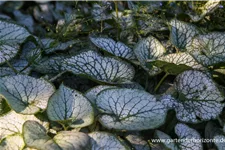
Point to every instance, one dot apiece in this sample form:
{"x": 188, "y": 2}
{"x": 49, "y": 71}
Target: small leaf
{"x": 106, "y": 141}
{"x": 208, "y": 49}
{"x": 197, "y": 98}
{"x": 71, "y": 140}
{"x": 105, "y": 69}
{"x": 182, "y": 33}
{"x": 12, "y": 122}
{"x": 137, "y": 142}
{"x": 70, "y": 107}
{"x": 116, "y": 48}
{"x": 185, "y": 132}
{"x": 14, "y": 142}
{"x": 35, "y": 136}
{"x": 130, "y": 109}
{"x": 177, "y": 63}
{"x": 25, "y": 94}
{"x": 12, "y": 33}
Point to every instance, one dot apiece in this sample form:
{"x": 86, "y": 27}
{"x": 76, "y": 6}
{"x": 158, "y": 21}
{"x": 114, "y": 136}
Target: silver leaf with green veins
{"x": 70, "y": 107}
{"x": 182, "y": 33}
{"x": 197, "y": 99}
{"x": 116, "y": 48}
{"x": 25, "y": 94}
{"x": 8, "y": 51}
{"x": 130, "y": 109}
{"x": 208, "y": 49}
{"x": 14, "y": 142}
{"x": 106, "y": 141}
{"x": 105, "y": 69}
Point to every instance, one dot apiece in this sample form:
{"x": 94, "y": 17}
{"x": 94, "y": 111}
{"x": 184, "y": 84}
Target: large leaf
{"x": 130, "y": 109}
{"x": 7, "y": 51}
{"x": 70, "y": 107}
{"x": 106, "y": 141}
{"x": 26, "y": 94}
{"x": 12, "y": 122}
{"x": 196, "y": 99}
{"x": 115, "y": 48}
{"x": 177, "y": 63}
{"x": 105, "y": 69}
{"x": 208, "y": 49}
{"x": 182, "y": 33}
{"x": 35, "y": 136}
{"x": 12, "y": 33}
{"x": 14, "y": 142}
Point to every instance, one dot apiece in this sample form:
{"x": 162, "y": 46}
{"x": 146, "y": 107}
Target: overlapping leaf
{"x": 106, "y": 141}
{"x": 26, "y": 95}
{"x": 11, "y": 123}
{"x": 130, "y": 109}
{"x": 138, "y": 142}
{"x": 148, "y": 50}
{"x": 105, "y": 69}
{"x": 116, "y": 48}
{"x": 35, "y": 136}
{"x": 14, "y": 142}
{"x": 208, "y": 49}
{"x": 70, "y": 107}
{"x": 197, "y": 97}
{"x": 182, "y": 33}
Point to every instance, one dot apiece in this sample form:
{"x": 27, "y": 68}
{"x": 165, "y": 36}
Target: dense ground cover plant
{"x": 112, "y": 75}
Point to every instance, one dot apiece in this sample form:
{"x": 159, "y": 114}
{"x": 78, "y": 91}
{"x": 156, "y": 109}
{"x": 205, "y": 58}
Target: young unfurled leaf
{"x": 13, "y": 142}
{"x": 25, "y": 94}
{"x": 106, "y": 141}
{"x": 70, "y": 107}
{"x": 148, "y": 50}
{"x": 116, "y": 48}
{"x": 11, "y": 123}
{"x": 188, "y": 139}
{"x": 201, "y": 12}
{"x": 177, "y": 63}
{"x": 99, "y": 13}
{"x": 197, "y": 97}
{"x": 129, "y": 109}
{"x": 182, "y": 33}
{"x": 105, "y": 69}
{"x": 35, "y": 136}
{"x": 208, "y": 49}
{"x": 138, "y": 142}
{"x": 12, "y": 33}
{"x": 125, "y": 19}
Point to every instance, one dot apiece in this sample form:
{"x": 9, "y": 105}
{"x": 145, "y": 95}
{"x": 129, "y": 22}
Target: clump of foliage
{"x": 112, "y": 75}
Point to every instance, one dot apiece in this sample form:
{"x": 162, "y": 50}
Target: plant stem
{"x": 160, "y": 82}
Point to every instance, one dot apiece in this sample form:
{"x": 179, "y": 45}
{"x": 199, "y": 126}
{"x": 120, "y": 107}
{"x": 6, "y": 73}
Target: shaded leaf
{"x": 138, "y": 142}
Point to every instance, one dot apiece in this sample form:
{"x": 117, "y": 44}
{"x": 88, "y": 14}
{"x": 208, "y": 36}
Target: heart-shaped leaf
{"x": 14, "y": 142}
{"x": 105, "y": 69}
{"x": 182, "y": 33}
{"x": 106, "y": 141}
{"x": 35, "y": 136}
{"x": 208, "y": 49}
{"x": 197, "y": 98}
{"x": 25, "y": 94}
{"x": 70, "y": 107}
{"x": 130, "y": 109}
{"x": 116, "y": 48}
{"x": 11, "y": 123}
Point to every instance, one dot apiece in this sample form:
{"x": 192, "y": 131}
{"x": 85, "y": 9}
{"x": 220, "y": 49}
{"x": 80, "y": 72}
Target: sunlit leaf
{"x": 13, "y": 142}
{"x": 70, "y": 107}
{"x": 105, "y": 69}
{"x": 182, "y": 33}
{"x": 106, "y": 141}
{"x": 125, "y": 19}
{"x": 25, "y": 94}
{"x": 7, "y": 51}
{"x": 196, "y": 99}
{"x": 116, "y": 48}
{"x": 208, "y": 49}
{"x": 129, "y": 109}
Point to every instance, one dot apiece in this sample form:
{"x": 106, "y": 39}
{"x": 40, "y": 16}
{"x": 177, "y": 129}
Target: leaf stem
{"x": 160, "y": 82}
